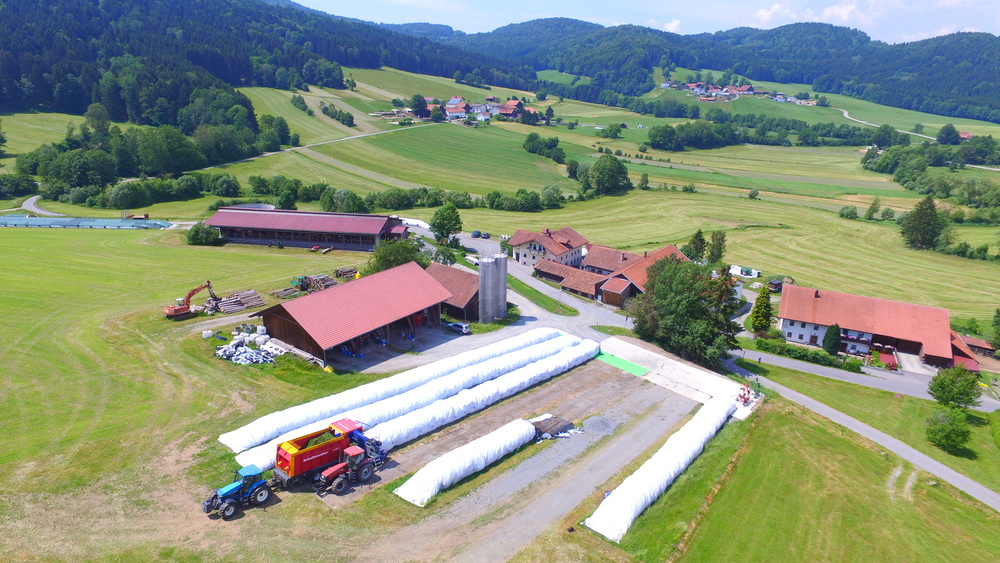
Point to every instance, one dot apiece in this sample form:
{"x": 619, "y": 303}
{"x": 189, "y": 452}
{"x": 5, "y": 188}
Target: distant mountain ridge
{"x": 952, "y": 75}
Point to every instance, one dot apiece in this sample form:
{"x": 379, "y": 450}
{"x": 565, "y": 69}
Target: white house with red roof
{"x": 564, "y": 246}
{"x": 868, "y": 323}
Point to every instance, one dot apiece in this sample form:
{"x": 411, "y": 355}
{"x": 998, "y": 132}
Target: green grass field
{"x": 806, "y": 489}
{"x": 901, "y": 417}
{"x": 801, "y": 488}
{"x": 452, "y": 157}
{"x": 387, "y": 83}
{"x": 277, "y": 103}
{"x": 561, "y": 77}
{"x": 88, "y": 378}
{"x": 26, "y": 132}
{"x": 777, "y": 238}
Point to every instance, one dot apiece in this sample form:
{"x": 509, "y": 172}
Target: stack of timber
{"x": 320, "y": 282}
{"x": 249, "y": 298}
{"x": 345, "y": 272}
{"x": 231, "y": 304}
{"x": 285, "y": 293}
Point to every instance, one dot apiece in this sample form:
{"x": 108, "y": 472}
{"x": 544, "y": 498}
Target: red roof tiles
{"x": 572, "y": 278}
{"x": 462, "y": 285}
{"x": 962, "y": 354}
{"x": 605, "y": 258}
{"x": 636, "y": 273}
{"x": 306, "y": 221}
{"x": 895, "y": 319}
{"x": 342, "y": 312}
{"x": 977, "y": 342}
{"x": 556, "y": 242}
{"x": 616, "y": 285}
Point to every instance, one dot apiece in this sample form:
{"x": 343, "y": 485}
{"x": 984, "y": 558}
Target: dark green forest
{"x": 953, "y": 75}
{"x": 143, "y": 59}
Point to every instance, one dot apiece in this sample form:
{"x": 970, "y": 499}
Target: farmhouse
{"x": 343, "y": 231}
{"x": 631, "y": 279}
{"x": 351, "y": 315}
{"x": 564, "y": 246}
{"x": 464, "y": 288}
{"x": 605, "y": 260}
{"x": 868, "y": 323}
{"x": 574, "y": 280}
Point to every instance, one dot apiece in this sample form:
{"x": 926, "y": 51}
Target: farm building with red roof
{"x": 349, "y": 315}
{"x": 631, "y": 279}
{"x": 868, "y": 323}
{"x": 605, "y": 260}
{"x": 574, "y": 280}
{"x": 464, "y": 289}
{"x": 564, "y": 246}
{"x": 343, "y": 231}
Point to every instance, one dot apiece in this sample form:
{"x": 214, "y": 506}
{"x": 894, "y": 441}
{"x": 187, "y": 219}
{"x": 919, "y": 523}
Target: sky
{"x": 892, "y": 21}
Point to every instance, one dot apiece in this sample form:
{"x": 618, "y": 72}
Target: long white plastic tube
{"x": 427, "y": 419}
{"x": 272, "y": 425}
{"x": 370, "y": 415}
{"x": 463, "y": 461}
{"x": 617, "y": 512}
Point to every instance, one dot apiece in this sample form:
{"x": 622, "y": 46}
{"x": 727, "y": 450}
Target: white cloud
{"x": 765, "y": 16}
{"x": 673, "y": 26}
{"x": 844, "y": 12}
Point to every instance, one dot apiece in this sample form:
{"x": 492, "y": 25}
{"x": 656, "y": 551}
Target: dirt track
{"x": 544, "y": 487}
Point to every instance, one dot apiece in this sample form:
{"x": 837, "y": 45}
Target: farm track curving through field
{"x": 920, "y": 460}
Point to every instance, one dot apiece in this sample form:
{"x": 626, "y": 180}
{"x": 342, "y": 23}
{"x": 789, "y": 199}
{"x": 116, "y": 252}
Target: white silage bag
{"x": 277, "y": 423}
{"x": 463, "y": 461}
{"x": 616, "y": 513}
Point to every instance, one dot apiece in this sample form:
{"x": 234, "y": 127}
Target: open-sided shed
{"x": 346, "y": 314}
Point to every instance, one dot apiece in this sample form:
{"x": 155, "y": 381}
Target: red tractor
{"x": 341, "y": 451}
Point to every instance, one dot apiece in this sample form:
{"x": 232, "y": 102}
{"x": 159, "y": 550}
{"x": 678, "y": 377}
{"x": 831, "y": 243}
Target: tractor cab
{"x": 354, "y": 456}
{"x": 248, "y": 489}
{"x": 243, "y": 481}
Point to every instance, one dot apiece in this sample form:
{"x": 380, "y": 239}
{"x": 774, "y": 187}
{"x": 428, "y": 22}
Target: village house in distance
{"x": 564, "y": 246}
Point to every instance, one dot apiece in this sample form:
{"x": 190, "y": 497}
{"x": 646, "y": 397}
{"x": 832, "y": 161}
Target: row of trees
{"x": 548, "y": 147}
{"x": 100, "y": 153}
{"x": 751, "y": 128}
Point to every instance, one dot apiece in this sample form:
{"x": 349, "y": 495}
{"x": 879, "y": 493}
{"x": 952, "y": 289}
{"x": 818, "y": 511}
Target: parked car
{"x": 485, "y": 235}
{"x": 461, "y": 328}
{"x": 474, "y": 260}
{"x": 475, "y": 234}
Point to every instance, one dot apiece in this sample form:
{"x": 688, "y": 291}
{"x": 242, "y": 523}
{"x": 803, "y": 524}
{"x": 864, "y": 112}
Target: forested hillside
{"x": 953, "y": 75}
{"x": 142, "y": 59}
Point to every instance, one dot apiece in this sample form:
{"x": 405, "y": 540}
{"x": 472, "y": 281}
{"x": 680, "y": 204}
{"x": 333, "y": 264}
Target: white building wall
{"x": 802, "y": 333}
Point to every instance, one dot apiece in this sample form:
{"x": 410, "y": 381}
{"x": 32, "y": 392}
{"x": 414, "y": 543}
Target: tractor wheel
{"x": 228, "y": 510}
{"x": 365, "y": 472}
{"x": 339, "y": 485}
{"x": 261, "y": 496}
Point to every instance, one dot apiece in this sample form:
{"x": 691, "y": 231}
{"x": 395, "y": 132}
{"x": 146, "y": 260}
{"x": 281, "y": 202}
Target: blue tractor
{"x": 248, "y": 489}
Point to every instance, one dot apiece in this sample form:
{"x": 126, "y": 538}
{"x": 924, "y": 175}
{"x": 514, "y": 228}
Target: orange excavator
{"x": 182, "y": 310}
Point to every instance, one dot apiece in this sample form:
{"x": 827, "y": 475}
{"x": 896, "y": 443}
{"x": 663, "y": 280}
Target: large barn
{"x": 868, "y": 323}
{"x": 368, "y": 309}
{"x": 343, "y": 231}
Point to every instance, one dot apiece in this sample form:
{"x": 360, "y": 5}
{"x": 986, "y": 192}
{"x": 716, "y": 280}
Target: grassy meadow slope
{"x": 902, "y": 119}
{"x": 787, "y": 486}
